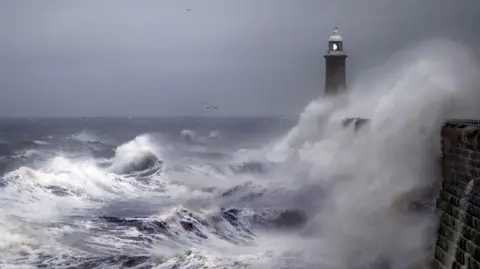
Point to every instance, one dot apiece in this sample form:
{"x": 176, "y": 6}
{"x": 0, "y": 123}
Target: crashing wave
{"x": 141, "y": 162}
{"x": 138, "y": 155}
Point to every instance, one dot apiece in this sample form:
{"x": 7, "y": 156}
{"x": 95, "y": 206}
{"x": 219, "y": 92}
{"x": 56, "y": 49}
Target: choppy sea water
{"x": 99, "y": 192}
{"x": 238, "y": 192}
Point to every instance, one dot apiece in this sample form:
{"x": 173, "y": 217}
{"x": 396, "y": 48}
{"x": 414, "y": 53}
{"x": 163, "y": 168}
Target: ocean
{"x": 157, "y": 193}
{"x": 286, "y": 193}
{"x": 136, "y": 192}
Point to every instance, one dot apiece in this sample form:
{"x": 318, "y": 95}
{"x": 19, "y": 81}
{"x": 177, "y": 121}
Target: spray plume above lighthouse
{"x": 335, "y": 58}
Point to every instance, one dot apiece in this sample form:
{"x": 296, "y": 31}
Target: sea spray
{"x": 372, "y": 176}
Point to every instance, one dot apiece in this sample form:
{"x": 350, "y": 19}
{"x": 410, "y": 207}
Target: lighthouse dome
{"x": 335, "y": 36}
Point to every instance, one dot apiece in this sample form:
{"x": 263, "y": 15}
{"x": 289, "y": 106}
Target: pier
{"x": 458, "y": 203}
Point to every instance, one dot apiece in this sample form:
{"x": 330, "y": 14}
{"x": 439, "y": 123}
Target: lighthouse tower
{"x": 335, "y": 76}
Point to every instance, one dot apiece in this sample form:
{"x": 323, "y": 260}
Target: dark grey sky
{"x": 249, "y": 57}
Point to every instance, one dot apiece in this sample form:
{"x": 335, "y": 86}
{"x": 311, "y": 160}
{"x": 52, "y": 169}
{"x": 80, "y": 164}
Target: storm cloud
{"x": 163, "y": 58}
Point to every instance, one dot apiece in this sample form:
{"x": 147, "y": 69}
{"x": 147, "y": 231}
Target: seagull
{"x": 209, "y": 106}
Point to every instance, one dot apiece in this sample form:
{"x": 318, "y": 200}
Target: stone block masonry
{"x": 458, "y": 202}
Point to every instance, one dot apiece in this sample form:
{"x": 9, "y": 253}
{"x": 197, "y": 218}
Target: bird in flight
{"x": 189, "y": 9}
{"x": 206, "y": 105}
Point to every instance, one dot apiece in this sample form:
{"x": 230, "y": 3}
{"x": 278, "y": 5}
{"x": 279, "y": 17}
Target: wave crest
{"x": 140, "y": 154}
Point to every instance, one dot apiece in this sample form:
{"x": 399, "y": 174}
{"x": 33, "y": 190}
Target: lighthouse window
{"x": 335, "y": 46}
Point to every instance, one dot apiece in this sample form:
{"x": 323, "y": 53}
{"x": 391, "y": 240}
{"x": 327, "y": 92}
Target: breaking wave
{"x": 323, "y": 195}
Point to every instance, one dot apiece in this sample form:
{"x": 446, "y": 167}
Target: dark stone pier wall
{"x": 458, "y": 202}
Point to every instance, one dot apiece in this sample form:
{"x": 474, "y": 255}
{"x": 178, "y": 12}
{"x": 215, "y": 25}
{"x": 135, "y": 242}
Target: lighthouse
{"x": 335, "y": 58}
{"x": 336, "y": 77}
